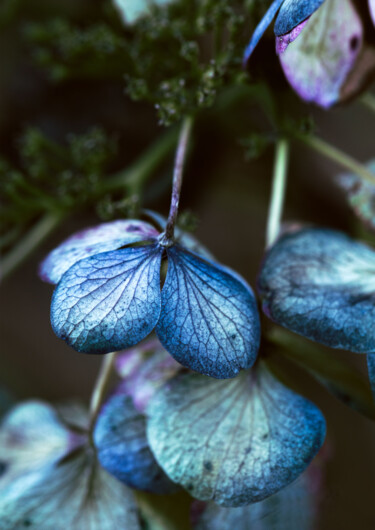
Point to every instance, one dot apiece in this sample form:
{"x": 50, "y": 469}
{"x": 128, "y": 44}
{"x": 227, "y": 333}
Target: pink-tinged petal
{"x": 283, "y": 41}
{"x": 318, "y": 63}
{"x": 91, "y": 241}
{"x": 372, "y": 9}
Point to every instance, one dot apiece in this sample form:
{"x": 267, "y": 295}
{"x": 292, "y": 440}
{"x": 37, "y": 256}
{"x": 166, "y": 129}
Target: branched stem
{"x": 183, "y": 143}
{"x": 280, "y": 172}
{"x": 341, "y": 158}
{"x": 42, "y": 229}
{"x": 100, "y": 387}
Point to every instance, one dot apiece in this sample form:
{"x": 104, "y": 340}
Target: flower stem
{"x": 338, "y": 156}
{"x": 43, "y": 228}
{"x": 178, "y": 175}
{"x": 368, "y": 100}
{"x": 280, "y": 171}
{"x": 100, "y": 387}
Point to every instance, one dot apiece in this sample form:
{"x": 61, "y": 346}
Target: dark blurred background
{"x": 228, "y": 195}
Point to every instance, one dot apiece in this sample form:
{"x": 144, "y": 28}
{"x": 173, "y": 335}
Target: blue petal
{"x": 293, "y": 12}
{"x": 261, "y": 28}
{"x": 122, "y": 447}
{"x": 91, "y": 241}
{"x": 371, "y": 371}
{"x": 235, "y": 441}
{"x": 321, "y": 284}
{"x": 110, "y": 301}
{"x": 209, "y": 320}
{"x": 292, "y": 508}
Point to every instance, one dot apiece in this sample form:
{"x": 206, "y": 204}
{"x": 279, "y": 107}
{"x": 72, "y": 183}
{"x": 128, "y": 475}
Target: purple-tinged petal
{"x": 233, "y": 441}
{"x": 75, "y": 494}
{"x": 321, "y": 284}
{"x": 283, "y": 41}
{"x": 318, "y": 63}
{"x": 292, "y": 13}
{"x": 122, "y": 447}
{"x": 209, "y": 320}
{"x": 110, "y": 301}
{"x": 261, "y": 28}
{"x": 91, "y": 241}
{"x": 360, "y": 195}
{"x": 144, "y": 370}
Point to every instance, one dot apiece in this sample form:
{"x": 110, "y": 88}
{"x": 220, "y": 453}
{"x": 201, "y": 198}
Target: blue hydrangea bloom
{"x": 320, "y": 283}
{"x": 233, "y": 442}
{"x": 109, "y": 298}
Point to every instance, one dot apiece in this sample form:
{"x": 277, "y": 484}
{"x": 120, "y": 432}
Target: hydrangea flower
{"x": 108, "y": 297}
{"x": 51, "y": 478}
{"x": 234, "y": 442}
{"x": 321, "y": 46}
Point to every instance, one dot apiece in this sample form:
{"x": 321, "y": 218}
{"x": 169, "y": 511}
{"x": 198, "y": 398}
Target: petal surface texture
{"x": 372, "y": 9}
{"x": 209, "y": 320}
{"x": 292, "y": 508}
{"x": 110, "y": 301}
{"x": 321, "y": 284}
{"x": 317, "y": 63}
{"x": 261, "y": 28}
{"x": 233, "y": 442}
{"x": 76, "y": 494}
{"x": 101, "y": 238}
{"x": 122, "y": 447}
{"x": 293, "y": 12}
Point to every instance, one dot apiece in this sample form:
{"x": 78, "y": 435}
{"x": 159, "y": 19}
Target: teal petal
{"x": 234, "y": 441}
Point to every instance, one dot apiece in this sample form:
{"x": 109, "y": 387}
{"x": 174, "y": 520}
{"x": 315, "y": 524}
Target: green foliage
{"x": 177, "y": 59}
{"x": 52, "y": 177}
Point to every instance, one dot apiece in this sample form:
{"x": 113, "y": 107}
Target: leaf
{"x": 209, "y": 320}
{"x": 292, "y": 508}
{"x": 341, "y": 379}
{"x": 293, "y": 12}
{"x": 109, "y": 301}
{"x": 233, "y": 442}
{"x": 144, "y": 369}
{"x": 132, "y": 10}
{"x": 76, "y": 494}
{"x": 319, "y": 61}
{"x": 261, "y": 28}
{"x": 32, "y": 435}
{"x": 122, "y": 447}
{"x": 320, "y": 283}
{"x": 91, "y": 241}
{"x": 360, "y": 195}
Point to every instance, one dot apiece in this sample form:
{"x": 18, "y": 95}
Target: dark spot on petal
{"x": 248, "y": 450}
{"x": 208, "y": 465}
{"x": 133, "y": 228}
{"x": 190, "y": 487}
{"x": 354, "y": 43}
{"x": 3, "y": 467}
{"x": 27, "y": 522}
{"x": 233, "y": 336}
{"x": 265, "y": 436}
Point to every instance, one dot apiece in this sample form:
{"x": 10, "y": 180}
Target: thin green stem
{"x": 134, "y": 178}
{"x": 100, "y": 387}
{"x": 280, "y": 172}
{"x": 40, "y": 231}
{"x": 368, "y": 100}
{"x": 182, "y": 147}
{"x": 338, "y": 156}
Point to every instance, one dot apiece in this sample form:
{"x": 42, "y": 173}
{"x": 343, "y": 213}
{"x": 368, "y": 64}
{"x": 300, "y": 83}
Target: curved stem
{"x": 178, "y": 176}
{"x": 278, "y": 191}
{"x": 43, "y": 228}
{"x": 341, "y": 158}
{"x": 100, "y": 387}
